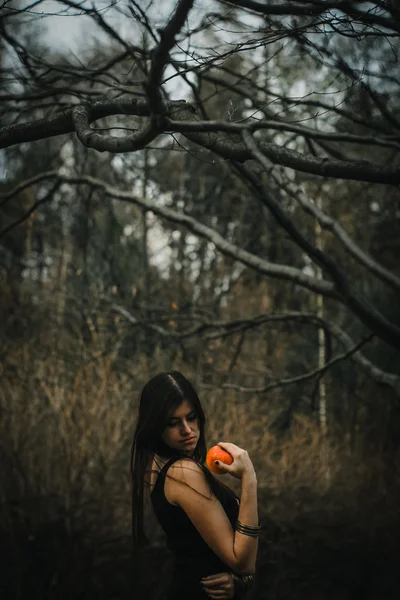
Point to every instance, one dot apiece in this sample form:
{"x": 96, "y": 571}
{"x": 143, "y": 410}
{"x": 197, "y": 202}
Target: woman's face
{"x": 182, "y": 431}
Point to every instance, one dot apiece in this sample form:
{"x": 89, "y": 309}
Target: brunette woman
{"x": 212, "y": 534}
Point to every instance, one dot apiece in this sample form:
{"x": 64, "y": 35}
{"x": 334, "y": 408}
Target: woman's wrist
{"x": 249, "y": 478}
{"x": 242, "y": 583}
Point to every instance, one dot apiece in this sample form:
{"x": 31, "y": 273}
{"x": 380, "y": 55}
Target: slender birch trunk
{"x": 145, "y": 246}
{"x": 321, "y": 334}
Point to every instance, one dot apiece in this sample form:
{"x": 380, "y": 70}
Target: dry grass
{"x": 67, "y": 420}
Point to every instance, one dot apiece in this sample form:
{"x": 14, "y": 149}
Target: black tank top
{"x": 194, "y": 559}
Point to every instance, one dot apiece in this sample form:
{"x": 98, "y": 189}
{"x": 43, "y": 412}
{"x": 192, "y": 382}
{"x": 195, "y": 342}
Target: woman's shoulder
{"x": 186, "y": 467}
{"x": 189, "y": 472}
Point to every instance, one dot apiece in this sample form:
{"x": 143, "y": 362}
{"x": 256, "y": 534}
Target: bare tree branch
{"x": 354, "y": 300}
{"x": 248, "y": 259}
{"x": 182, "y": 119}
{"x": 213, "y": 330}
{"x": 4, "y": 197}
{"x": 46, "y": 198}
{"x": 101, "y": 142}
{"x": 332, "y": 225}
{"x": 292, "y": 380}
{"x": 317, "y": 8}
{"x": 161, "y": 55}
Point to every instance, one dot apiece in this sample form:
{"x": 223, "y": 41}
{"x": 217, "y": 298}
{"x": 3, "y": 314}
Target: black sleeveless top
{"x": 194, "y": 559}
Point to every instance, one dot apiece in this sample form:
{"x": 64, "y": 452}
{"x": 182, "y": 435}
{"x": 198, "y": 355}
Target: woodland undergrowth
{"x": 328, "y": 504}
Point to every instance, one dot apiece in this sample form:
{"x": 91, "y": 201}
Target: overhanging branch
{"x": 213, "y": 330}
{"x": 355, "y": 301}
{"x": 183, "y": 119}
{"x": 292, "y": 380}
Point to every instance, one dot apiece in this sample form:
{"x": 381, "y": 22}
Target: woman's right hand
{"x": 241, "y": 466}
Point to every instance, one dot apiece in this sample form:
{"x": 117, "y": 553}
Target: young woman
{"x": 213, "y": 535}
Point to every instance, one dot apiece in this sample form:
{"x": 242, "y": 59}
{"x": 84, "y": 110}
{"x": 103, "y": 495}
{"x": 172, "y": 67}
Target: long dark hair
{"x": 160, "y": 397}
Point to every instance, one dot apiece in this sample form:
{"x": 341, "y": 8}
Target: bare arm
{"x": 246, "y": 547}
{"x": 236, "y": 550}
